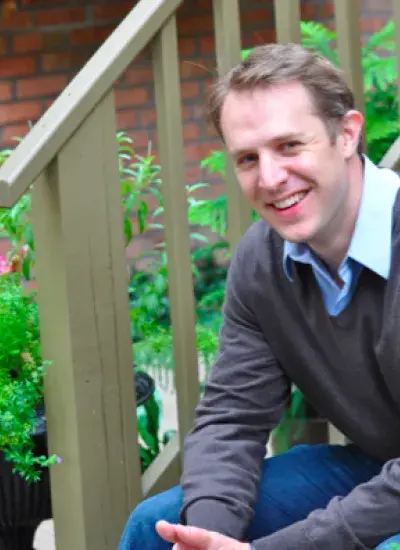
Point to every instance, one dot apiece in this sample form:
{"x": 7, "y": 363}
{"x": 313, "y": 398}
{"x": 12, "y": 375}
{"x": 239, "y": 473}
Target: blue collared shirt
{"x": 370, "y": 246}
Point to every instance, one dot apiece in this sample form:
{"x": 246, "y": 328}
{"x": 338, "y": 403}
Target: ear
{"x": 352, "y": 125}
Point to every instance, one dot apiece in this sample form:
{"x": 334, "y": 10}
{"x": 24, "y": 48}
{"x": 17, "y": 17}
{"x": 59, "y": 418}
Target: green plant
{"x": 379, "y": 68}
{"x": 149, "y": 417}
{"x": 21, "y": 375}
{"x": 19, "y": 398}
{"x": 155, "y": 352}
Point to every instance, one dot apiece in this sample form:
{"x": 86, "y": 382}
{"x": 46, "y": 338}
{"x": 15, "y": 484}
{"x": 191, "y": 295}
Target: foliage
{"x": 20, "y": 397}
{"x": 155, "y": 351}
{"x": 379, "y": 68}
{"x": 21, "y": 376}
{"x": 149, "y": 416}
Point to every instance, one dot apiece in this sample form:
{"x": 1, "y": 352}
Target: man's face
{"x": 286, "y": 164}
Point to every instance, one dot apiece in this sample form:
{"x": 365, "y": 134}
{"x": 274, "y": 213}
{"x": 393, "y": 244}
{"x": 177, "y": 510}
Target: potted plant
{"x": 24, "y": 478}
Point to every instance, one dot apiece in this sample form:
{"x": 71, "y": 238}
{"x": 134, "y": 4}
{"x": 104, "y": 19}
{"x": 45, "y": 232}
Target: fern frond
{"x": 209, "y": 213}
{"x": 382, "y": 39}
{"x": 378, "y": 71}
{"x": 381, "y": 128}
{"x": 317, "y": 37}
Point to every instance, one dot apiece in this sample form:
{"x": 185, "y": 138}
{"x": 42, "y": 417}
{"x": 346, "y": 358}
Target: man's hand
{"x": 192, "y": 538}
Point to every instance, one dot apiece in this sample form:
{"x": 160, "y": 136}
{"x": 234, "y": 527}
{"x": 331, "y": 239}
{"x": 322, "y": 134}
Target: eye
{"x": 290, "y": 146}
{"x": 245, "y": 160}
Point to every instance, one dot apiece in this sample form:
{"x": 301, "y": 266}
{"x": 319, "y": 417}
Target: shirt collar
{"x": 372, "y": 238}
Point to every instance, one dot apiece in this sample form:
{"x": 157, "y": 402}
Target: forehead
{"x": 267, "y": 114}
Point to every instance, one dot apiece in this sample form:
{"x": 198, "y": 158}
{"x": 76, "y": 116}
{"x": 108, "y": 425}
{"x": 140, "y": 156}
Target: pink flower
{"x": 4, "y": 266}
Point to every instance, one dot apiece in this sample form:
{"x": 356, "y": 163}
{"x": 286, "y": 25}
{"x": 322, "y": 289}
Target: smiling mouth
{"x": 290, "y": 201}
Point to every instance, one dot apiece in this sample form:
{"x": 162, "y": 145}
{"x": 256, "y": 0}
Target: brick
{"x": 196, "y": 25}
{"x": 59, "y": 16}
{"x": 197, "y": 151}
{"x": 187, "y": 46}
{"x": 111, "y": 12}
{"x": 41, "y": 86}
{"x": 193, "y": 112}
{"x": 16, "y": 20}
{"x": 90, "y": 35}
{"x": 308, "y": 11}
{"x": 258, "y": 38}
{"x": 141, "y": 139}
{"x": 56, "y": 40}
{"x": 327, "y": 10}
{"x": 12, "y": 131}
{"x": 372, "y": 24}
{"x": 23, "y": 111}
{"x": 23, "y": 43}
{"x": 3, "y": 45}
{"x": 194, "y": 173}
{"x": 191, "y": 131}
{"x": 16, "y": 66}
{"x": 207, "y": 44}
{"x": 5, "y": 91}
{"x": 138, "y": 75}
{"x": 148, "y": 117}
{"x": 202, "y": 6}
{"x": 131, "y": 98}
{"x": 258, "y": 17}
{"x": 126, "y": 119}
{"x": 42, "y": 3}
{"x": 196, "y": 67}
{"x": 63, "y": 61}
{"x": 190, "y": 89}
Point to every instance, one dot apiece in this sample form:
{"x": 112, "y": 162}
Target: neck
{"x": 333, "y": 246}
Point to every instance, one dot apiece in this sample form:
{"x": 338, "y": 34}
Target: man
{"x": 312, "y": 298}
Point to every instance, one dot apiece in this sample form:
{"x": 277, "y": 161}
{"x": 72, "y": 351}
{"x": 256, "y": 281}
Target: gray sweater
{"x": 347, "y": 367}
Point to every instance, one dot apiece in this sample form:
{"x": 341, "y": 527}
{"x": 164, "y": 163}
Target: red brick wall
{"x": 43, "y": 43}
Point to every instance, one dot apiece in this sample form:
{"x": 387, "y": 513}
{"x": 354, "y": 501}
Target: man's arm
{"x": 243, "y": 401}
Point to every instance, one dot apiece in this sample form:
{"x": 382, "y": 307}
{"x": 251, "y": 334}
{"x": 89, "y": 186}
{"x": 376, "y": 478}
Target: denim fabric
{"x": 293, "y": 484}
{"x": 391, "y": 544}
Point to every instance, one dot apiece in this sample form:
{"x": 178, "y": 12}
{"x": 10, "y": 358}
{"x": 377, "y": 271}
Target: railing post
{"x": 180, "y": 281}
{"x": 83, "y": 303}
{"x": 391, "y": 158}
{"x": 347, "y": 16}
{"x": 228, "y": 46}
{"x": 287, "y": 21}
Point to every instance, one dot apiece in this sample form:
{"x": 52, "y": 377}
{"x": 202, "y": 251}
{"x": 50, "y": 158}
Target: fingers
{"x": 167, "y": 531}
{"x": 192, "y": 537}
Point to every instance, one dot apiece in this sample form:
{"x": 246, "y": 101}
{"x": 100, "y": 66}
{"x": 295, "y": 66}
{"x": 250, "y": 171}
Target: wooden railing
{"x": 70, "y": 158}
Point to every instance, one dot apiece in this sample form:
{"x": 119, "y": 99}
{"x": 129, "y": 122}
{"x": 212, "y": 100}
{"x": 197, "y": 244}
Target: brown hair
{"x": 278, "y": 63}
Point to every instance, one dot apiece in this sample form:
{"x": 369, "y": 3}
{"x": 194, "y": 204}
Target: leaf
{"x": 142, "y": 213}
{"x": 317, "y": 37}
{"x": 199, "y": 237}
{"x": 128, "y": 231}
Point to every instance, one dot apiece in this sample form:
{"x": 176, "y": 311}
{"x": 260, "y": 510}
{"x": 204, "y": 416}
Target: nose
{"x": 272, "y": 172}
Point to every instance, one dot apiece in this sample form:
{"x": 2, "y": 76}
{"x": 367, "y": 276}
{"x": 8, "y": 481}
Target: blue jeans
{"x": 292, "y": 485}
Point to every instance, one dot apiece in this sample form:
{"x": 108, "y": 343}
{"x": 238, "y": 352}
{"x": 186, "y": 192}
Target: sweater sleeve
{"x": 243, "y": 400}
{"x": 363, "y": 519}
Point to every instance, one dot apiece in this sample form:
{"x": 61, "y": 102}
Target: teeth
{"x": 290, "y": 201}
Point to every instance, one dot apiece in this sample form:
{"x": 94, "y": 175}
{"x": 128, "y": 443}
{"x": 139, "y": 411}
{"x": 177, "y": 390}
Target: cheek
{"x": 248, "y": 185}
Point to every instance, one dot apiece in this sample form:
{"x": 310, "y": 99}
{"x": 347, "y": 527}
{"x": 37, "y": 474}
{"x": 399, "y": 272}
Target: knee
{"x": 140, "y": 528}
{"x": 392, "y": 543}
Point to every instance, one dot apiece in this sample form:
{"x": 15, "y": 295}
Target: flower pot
{"x": 23, "y": 505}
{"x": 144, "y": 386}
